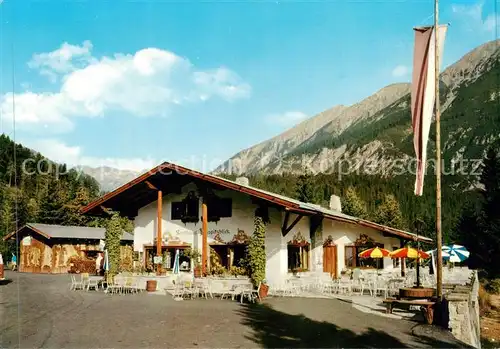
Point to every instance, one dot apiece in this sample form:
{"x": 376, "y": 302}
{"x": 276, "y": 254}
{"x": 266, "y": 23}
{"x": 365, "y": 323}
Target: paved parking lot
{"x": 40, "y": 311}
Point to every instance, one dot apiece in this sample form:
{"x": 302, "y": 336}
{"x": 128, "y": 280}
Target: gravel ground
{"x": 40, "y": 311}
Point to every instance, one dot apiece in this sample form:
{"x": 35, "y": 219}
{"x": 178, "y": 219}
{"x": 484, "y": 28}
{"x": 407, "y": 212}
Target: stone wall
{"x": 463, "y": 311}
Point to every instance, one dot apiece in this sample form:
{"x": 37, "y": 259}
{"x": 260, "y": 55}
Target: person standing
{"x": 1, "y": 267}
{"x": 13, "y": 262}
{"x": 98, "y": 263}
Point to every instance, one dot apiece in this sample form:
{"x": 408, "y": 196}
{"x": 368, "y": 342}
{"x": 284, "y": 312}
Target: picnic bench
{"x": 427, "y": 306}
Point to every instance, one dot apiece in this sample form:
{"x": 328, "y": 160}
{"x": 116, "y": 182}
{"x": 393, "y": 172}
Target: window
{"x": 353, "y": 261}
{"x": 187, "y": 210}
{"x": 92, "y": 254}
{"x": 192, "y": 206}
{"x": 225, "y": 207}
{"x": 168, "y": 255}
{"x": 178, "y": 209}
{"x": 298, "y": 257}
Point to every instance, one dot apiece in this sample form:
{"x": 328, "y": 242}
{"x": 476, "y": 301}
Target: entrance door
{"x": 330, "y": 260}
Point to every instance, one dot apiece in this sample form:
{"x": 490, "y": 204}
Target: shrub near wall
{"x": 257, "y": 251}
{"x": 113, "y": 236}
{"x": 78, "y": 265}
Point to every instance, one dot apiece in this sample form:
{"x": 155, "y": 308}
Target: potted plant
{"x": 263, "y": 290}
{"x": 195, "y": 256}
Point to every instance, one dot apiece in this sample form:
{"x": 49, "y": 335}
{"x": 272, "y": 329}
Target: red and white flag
{"x": 423, "y": 94}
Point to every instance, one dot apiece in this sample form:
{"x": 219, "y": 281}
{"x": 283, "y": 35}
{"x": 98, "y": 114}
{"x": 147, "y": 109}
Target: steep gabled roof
{"x": 166, "y": 176}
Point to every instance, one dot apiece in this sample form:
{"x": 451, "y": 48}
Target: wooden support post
{"x": 402, "y": 260}
{"x": 439, "y": 238}
{"x": 204, "y": 244}
{"x": 158, "y": 229}
{"x": 285, "y": 230}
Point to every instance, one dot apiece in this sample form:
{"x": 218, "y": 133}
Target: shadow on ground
{"x": 276, "y": 329}
{"x": 5, "y": 282}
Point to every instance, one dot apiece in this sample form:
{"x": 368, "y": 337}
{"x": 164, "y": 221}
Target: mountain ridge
{"x": 388, "y": 108}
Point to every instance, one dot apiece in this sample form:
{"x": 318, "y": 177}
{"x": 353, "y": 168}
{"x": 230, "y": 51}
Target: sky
{"x": 129, "y": 84}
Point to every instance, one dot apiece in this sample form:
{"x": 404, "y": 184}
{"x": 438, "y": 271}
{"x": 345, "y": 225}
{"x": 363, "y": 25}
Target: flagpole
{"x": 439, "y": 271}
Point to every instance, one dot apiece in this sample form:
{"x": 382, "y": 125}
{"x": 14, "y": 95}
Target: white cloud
{"x": 65, "y": 59}
{"x": 289, "y": 118}
{"x": 146, "y": 83}
{"x": 58, "y": 151}
{"x": 400, "y": 70}
{"x": 472, "y": 17}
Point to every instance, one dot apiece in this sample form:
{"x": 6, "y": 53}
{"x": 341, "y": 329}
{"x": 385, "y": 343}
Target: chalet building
{"x": 47, "y": 248}
{"x": 173, "y": 207}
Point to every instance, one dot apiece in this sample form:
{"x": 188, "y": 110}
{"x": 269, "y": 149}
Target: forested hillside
{"x": 36, "y": 189}
{"x": 372, "y": 191}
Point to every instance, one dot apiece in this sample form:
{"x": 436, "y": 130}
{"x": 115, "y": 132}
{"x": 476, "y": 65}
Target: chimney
{"x": 243, "y": 181}
{"x": 335, "y": 204}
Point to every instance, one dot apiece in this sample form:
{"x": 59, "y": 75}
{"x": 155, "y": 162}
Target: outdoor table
{"x": 99, "y": 279}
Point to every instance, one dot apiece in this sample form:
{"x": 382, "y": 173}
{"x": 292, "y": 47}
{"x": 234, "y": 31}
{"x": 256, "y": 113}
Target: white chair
{"x": 344, "y": 286}
{"x": 357, "y": 282}
{"x": 252, "y": 294}
{"x": 92, "y": 283}
{"x": 76, "y": 285}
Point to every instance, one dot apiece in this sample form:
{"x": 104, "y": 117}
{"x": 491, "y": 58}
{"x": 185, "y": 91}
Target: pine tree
{"x": 305, "y": 189}
{"x": 71, "y": 210}
{"x": 490, "y": 175}
{"x": 353, "y": 205}
{"x": 388, "y": 213}
{"x": 479, "y": 227}
{"x": 52, "y": 208}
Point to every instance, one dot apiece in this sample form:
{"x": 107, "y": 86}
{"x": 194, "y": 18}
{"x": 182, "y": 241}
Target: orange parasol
{"x": 408, "y": 252}
{"x": 374, "y": 252}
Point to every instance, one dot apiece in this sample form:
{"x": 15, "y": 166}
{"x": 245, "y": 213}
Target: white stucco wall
{"x": 243, "y": 219}
{"x": 344, "y": 234}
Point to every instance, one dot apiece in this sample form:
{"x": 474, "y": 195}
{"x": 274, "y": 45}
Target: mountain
{"x": 332, "y": 121}
{"x": 109, "y": 178}
{"x": 373, "y": 133}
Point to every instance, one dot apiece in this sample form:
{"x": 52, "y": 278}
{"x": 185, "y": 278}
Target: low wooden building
{"x": 46, "y": 248}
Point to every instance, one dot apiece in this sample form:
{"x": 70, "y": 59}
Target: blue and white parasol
{"x": 176, "y": 262}
{"x": 457, "y": 253}
{"x": 434, "y": 253}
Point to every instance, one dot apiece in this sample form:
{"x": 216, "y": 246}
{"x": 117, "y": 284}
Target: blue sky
{"x": 130, "y": 84}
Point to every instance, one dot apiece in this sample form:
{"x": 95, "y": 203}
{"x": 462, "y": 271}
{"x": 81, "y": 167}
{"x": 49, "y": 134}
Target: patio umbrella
{"x": 408, "y": 252}
{"x": 433, "y": 254}
{"x": 176, "y": 262}
{"x": 374, "y": 252}
{"x": 106, "y": 261}
{"x": 456, "y": 253}
{"x": 444, "y": 254}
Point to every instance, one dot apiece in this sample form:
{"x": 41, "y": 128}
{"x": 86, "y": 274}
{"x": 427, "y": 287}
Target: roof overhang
{"x": 169, "y": 178}
{"x": 20, "y": 232}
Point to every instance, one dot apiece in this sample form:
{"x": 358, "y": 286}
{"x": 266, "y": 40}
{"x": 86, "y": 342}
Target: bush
{"x": 256, "y": 252}
{"x": 484, "y": 300}
{"x": 78, "y": 265}
{"x": 236, "y": 271}
{"x": 216, "y": 268}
